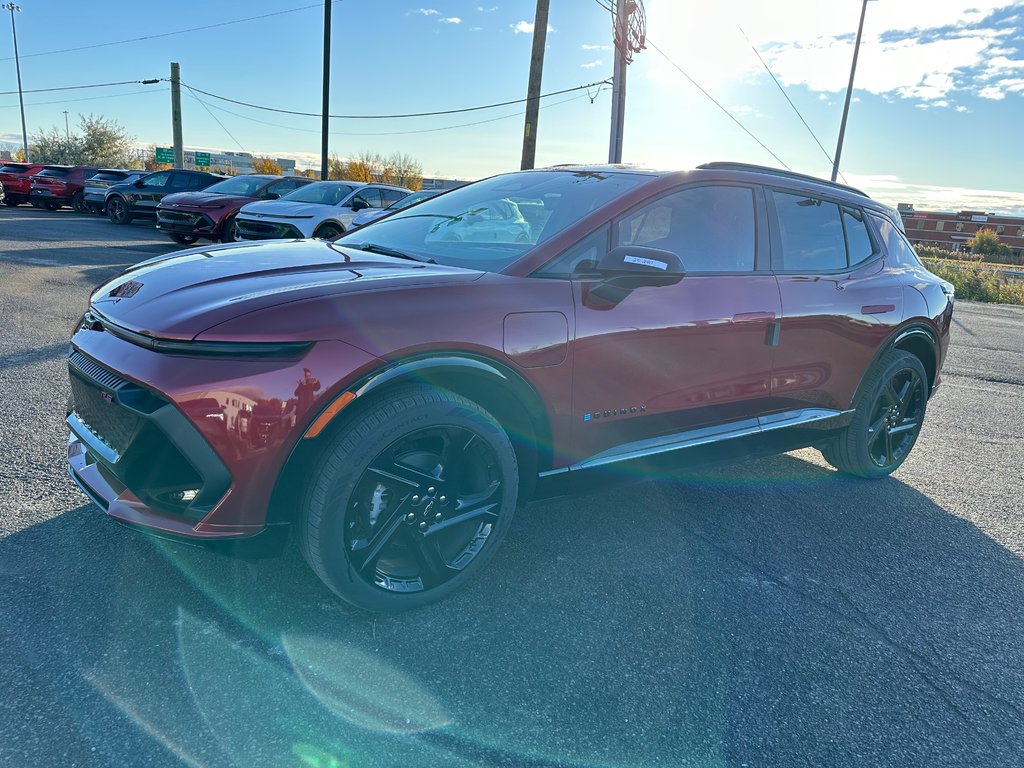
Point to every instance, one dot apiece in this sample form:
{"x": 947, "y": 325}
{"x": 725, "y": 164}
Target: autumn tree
{"x": 402, "y": 170}
{"x": 986, "y": 244}
{"x": 397, "y": 168}
{"x": 101, "y": 143}
{"x": 265, "y": 164}
{"x": 335, "y": 167}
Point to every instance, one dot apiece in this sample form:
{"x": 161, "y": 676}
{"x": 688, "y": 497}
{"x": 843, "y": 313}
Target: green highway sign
{"x": 203, "y": 159}
{"x": 165, "y": 155}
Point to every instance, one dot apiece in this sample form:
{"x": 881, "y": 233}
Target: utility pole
{"x": 849, "y": 92}
{"x": 325, "y": 122}
{"x": 540, "y": 36}
{"x": 618, "y": 84}
{"x": 17, "y": 65}
{"x": 67, "y": 130}
{"x": 179, "y": 144}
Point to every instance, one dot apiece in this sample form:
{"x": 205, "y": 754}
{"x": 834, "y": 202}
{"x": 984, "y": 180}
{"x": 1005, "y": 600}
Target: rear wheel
{"x": 409, "y": 500}
{"x": 117, "y": 210}
{"x": 79, "y": 204}
{"x": 889, "y": 415}
{"x": 184, "y": 239}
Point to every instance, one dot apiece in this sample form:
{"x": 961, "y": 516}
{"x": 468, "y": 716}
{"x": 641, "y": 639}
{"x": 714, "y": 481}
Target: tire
{"x": 378, "y": 522}
{"x": 229, "y": 232}
{"x": 889, "y": 413}
{"x": 327, "y": 231}
{"x": 184, "y": 239}
{"x": 11, "y": 202}
{"x": 117, "y": 210}
{"x": 78, "y": 203}
{"x": 37, "y": 203}
{"x": 53, "y": 205}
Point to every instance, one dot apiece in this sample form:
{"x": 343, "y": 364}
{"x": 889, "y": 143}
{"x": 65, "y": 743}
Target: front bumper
{"x": 186, "y": 447}
{"x": 187, "y": 223}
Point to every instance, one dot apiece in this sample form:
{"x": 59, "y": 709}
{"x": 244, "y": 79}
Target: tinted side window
{"x": 391, "y": 196}
{"x": 858, "y": 242}
{"x": 156, "y": 180}
{"x": 579, "y": 259}
{"x": 899, "y": 250}
{"x": 811, "y": 233}
{"x": 712, "y": 229}
{"x": 371, "y": 196}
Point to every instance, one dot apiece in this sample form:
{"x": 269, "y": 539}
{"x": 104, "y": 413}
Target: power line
{"x": 783, "y": 91}
{"x": 167, "y": 34}
{"x": 728, "y": 114}
{"x": 394, "y": 133}
{"x": 150, "y": 81}
{"x": 390, "y": 117}
{"x": 89, "y": 98}
{"x": 217, "y": 120}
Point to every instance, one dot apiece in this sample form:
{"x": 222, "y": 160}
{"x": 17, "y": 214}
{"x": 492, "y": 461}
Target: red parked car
{"x": 57, "y": 185}
{"x": 391, "y": 396}
{"x": 210, "y": 213}
{"x": 16, "y": 180}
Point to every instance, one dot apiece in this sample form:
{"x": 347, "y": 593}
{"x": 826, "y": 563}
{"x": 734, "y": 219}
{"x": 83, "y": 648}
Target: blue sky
{"x": 936, "y": 120}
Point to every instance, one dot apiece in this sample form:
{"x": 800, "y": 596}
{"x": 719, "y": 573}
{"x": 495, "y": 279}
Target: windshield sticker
{"x": 646, "y": 262}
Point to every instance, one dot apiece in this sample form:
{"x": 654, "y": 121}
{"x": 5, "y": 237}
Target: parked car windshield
{"x": 239, "y": 185}
{"x": 490, "y": 224}
{"x": 322, "y": 192}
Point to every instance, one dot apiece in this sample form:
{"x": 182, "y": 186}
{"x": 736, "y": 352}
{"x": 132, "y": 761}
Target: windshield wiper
{"x": 385, "y": 251}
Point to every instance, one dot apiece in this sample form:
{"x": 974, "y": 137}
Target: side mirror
{"x": 271, "y": 196}
{"x": 137, "y": 183}
{"x": 628, "y": 267}
{"x": 359, "y": 204}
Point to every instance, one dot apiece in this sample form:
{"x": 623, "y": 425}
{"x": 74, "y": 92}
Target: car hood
{"x": 197, "y": 199}
{"x": 180, "y": 295}
{"x": 286, "y": 208}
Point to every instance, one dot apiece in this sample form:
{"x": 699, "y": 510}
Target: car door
{"x": 839, "y": 302}
{"x": 676, "y": 358}
{"x": 151, "y": 189}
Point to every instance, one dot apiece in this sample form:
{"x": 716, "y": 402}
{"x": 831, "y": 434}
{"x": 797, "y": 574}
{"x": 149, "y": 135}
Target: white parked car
{"x": 323, "y": 209}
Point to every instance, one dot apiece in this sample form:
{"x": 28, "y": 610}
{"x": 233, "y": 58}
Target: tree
{"x": 368, "y": 167}
{"x": 403, "y": 170}
{"x": 986, "y": 244}
{"x": 102, "y": 143}
{"x": 265, "y": 164}
{"x": 336, "y": 167}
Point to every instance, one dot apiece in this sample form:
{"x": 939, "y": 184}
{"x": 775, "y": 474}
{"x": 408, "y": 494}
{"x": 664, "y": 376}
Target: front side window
{"x": 712, "y": 229}
{"x": 368, "y": 195}
{"x": 320, "y": 192}
{"x": 156, "y": 180}
{"x": 811, "y": 234}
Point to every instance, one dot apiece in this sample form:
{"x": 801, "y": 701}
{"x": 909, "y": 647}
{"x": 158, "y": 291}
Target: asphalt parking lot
{"x": 770, "y": 614}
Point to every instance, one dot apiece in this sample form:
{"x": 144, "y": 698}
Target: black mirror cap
{"x": 640, "y": 260}
{"x": 271, "y": 196}
{"x": 358, "y": 205}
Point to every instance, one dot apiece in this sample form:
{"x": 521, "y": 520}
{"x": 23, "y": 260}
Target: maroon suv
{"x": 391, "y": 396}
{"x": 57, "y": 185}
{"x": 16, "y": 180}
{"x": 210, "y": 213}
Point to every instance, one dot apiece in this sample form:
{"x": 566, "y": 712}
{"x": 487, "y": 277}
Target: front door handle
{"x": 752, "y": 317}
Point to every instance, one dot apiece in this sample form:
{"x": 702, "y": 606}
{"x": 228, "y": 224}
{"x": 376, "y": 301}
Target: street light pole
{"x": 849, "y": 92}
{"x": 67, "y": 130}
{"x": 325, "y": 122}
{"x": 17, "y": 64}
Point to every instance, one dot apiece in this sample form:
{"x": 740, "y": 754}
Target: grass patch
{"x": 976, "y": 281}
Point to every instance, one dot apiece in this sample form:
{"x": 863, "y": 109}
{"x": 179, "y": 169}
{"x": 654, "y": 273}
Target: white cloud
{"x": 893, "y": 190}
{"x": 476, "y": 29}
{"x": 592, "y": 64}
{"x": 595, "y": 47}
{"x": 745, "y": 110}
{"x": 526, "y": 27}
{"x": 429, "y": 11}
{"x": 486, "y": 10}
{"x": 960, "y": 108}
{"x": 905, "y": 53}
{"x": 451, "y": 20}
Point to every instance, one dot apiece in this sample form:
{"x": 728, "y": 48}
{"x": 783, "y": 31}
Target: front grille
{"x": 95, "y": 371}
{"x": 177, "y": 217}
{"x": 112, "y": 423}
{"x": 266, "y": 229}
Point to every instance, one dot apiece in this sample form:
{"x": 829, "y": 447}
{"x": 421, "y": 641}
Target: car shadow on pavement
{"x": 770, "y": 614}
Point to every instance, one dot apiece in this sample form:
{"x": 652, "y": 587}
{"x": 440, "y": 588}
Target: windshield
{"x": 322, "y": 192}
{"x": 492, "y": 223}
{"x": 248, "y": 186}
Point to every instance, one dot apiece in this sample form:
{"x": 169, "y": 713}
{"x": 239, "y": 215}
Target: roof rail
{"x": 731, "y": 166}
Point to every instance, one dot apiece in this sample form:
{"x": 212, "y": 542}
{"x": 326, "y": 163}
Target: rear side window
{"x": 58, "y": 173}
{"x": 12, "y": 168}
{"x": 710, "y": 228}
{"x": 896, "y": 245}
{"x": 391, "y": 196}
{"x": 820, "y": 236}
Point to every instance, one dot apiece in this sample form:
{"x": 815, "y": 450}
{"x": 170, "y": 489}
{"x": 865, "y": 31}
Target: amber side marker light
{"x": 329, "y": 413}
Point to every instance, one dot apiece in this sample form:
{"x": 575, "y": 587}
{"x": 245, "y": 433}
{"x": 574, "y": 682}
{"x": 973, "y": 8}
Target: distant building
{"x": 952, "y": 230}
{"x": 440, "y": 183}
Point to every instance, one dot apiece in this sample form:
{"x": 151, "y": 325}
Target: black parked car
{"x": 131, "y": 199}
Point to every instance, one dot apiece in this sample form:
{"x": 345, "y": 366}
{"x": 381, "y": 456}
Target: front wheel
{"x": 327, "y": 231}
{"x": 184, "y": 239}
{"x": 889, "y": 414}
{"x": 229, "y": 232}
{"x": 409, "y": 500}
{"x": 52, "y": 205}
{"x": 117, "y": 211}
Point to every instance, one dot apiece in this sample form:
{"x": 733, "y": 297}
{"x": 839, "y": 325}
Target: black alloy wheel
{"x": 117, "y": 210}
{"x": 183, "y": 239}
{"x": 327, "y": 231}
{"x": 78, "y": 203}
{"x": 888, "y": 418}
{"x": 410, "y": 500}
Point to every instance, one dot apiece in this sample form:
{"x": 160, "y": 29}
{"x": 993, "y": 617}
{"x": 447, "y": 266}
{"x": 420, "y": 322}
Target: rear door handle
{"x": 751, "y": 317}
